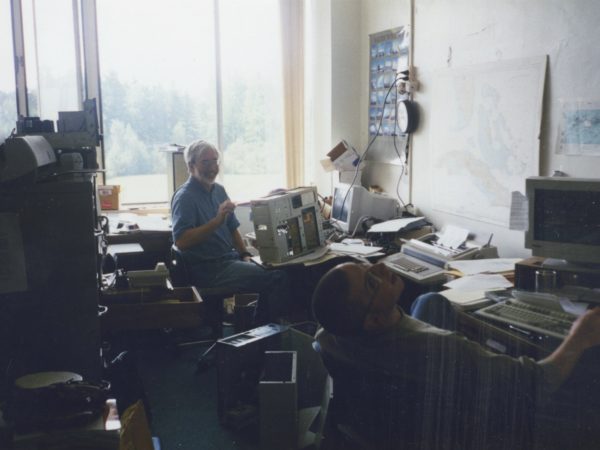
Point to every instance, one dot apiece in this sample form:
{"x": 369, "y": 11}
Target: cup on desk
{"x": 545, "y": 280}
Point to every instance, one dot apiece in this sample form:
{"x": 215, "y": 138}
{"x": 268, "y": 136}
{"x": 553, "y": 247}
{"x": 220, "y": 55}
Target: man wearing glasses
{"x": 205, "y": 231}
{"x": 464, "y": 396}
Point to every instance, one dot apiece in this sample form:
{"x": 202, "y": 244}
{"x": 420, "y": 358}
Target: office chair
{"x": 369, "y": 409}
{"x": 213, "y": 298}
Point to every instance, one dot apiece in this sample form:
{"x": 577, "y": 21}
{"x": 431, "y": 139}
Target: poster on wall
{"x": 485, "y": 124}
{"x": 389, "y": 51}
{"x": 579, "y": 128}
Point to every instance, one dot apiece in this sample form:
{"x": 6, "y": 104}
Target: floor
{"x": 181, "y": 401}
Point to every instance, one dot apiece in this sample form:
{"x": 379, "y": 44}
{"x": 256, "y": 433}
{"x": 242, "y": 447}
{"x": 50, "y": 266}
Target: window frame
{"x": 87, "y": 68}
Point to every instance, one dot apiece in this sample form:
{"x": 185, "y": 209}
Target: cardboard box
{"x": 147, "y": 309}
{"x": 343, "y": 157}
{"x": 109, "y": 197}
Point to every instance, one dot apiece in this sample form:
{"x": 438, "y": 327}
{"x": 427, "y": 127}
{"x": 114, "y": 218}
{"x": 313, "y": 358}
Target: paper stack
{"x": 466, "y": 300}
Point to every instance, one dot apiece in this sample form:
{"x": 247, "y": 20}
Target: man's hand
{"x": 584, "y": 333}
{"x": 225, "y": 208}
{"x": 586, "y": 329}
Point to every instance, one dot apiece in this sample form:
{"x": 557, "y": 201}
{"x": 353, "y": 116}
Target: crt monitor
{"x": 564, "y": 218}
{"x": 351, "y": 203}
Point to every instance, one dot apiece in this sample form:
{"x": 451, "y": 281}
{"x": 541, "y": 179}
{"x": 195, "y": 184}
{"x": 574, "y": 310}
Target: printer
{"x": 427, "y": 249}
{"x": 25, "y": 157}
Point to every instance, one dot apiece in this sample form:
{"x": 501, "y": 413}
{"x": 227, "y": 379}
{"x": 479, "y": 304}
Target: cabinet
{"x": 50, "y": 322}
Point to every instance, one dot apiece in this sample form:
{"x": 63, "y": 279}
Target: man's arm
{"x": 193, "y": 236}
{"x": 585, "y": 333}
{"x": 239, "y": 245}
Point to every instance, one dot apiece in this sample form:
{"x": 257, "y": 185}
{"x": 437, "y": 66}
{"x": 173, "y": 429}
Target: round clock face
{"x": 406, "y": 116}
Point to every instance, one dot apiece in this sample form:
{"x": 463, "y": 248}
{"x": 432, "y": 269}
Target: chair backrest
{"x": 394, "y": 412}
{"x": 375, "y": 405}
{"x": 179, "y": 273}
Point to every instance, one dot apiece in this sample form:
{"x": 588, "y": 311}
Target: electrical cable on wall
{"x": 363, "y": 156}
{"x": 400, "y": 157}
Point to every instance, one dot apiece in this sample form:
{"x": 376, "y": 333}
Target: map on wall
{"x": 579, "y": 128}
{"x": 485, "y": 126}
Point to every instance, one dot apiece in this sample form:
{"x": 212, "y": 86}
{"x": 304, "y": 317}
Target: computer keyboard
{"x": 414, "y": 268}
{"x": 531, "y": 318}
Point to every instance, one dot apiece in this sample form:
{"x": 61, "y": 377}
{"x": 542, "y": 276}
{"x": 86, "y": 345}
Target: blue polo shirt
{"x": 193, "y": 206}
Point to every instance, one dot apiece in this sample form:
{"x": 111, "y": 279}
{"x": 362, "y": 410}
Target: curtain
{"x": 292, "y": 46}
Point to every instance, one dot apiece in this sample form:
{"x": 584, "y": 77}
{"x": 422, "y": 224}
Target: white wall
{"x": 333, "y": 80}
{"x": 464, "y": 32}
{"x": 318, "y": 91}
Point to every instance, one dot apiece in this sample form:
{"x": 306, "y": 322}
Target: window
{"x": 158, "y": 75}
{"x": 51, "y": 58}
{"x": 8, "y": 98}
{"x": 253, "y": 139}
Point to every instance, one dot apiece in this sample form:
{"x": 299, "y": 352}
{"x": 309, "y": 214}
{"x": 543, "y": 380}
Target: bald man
{"x": 464, "y": 394}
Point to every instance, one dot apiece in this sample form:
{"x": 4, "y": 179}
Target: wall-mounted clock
{"x": 407, "y": 116}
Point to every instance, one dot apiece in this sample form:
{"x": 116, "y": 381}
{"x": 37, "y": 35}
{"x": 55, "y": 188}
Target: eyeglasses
{"x": 209, "y": 162}
{"x": 372, "y": 285}
{"x": 372, "y": 281}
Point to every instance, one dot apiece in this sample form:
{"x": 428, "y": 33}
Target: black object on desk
{"x": 502, "y": 339}
{"x": 567, "y": 275}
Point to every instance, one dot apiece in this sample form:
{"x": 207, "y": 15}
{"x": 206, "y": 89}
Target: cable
{"x": 400, "y": 157}
{"x": 361, "y": 158}
{"x": 359, "y": 222}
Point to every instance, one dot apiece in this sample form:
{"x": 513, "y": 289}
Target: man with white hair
{"x": 205, "y": 231}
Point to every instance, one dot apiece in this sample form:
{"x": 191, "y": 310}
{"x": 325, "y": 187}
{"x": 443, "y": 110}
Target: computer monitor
{"x": 564, "y": 218}
{"x": 350, "y": 204}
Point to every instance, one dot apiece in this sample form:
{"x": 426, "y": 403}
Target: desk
{"x": 502, "y": 340}
{"x": 153, "y": 234}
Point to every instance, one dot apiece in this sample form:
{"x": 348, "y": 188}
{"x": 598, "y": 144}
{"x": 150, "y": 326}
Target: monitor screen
{"x": 341, "y": 204}
{"x": 564, "y": 218}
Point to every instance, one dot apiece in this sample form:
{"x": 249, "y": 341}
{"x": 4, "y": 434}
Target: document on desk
{"x": 492, "y": 265}
{"x": 479, "y": 282}
{"x": 307, "y": 258}
{"x": 466, "y": 300}
{"x": 353, "y": 249}
{"x": 452, "y": 237}
{"x": 395, "y": 225}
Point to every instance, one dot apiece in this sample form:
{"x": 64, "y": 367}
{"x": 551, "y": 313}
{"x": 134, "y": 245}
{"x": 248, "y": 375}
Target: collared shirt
{"x": 193, "y": 206}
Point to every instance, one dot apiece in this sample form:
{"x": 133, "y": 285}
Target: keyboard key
{"x": 532, "y": 318}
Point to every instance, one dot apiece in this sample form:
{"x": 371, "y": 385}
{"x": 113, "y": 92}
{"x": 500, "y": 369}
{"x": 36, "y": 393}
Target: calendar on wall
{"x": 389, "y": 56}
{"x": 389, "y": 51}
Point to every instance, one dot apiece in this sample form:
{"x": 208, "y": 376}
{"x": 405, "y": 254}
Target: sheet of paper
{"x": 315, "y": 255}
{"x": 393, "y": 226}
{"x": 453, "y": 237}
{"x": 357, "y": 249}
{"x": 492, "y": 265}
{"x": 463, "y": 297}
{"x": 479, "y": 282}
{"x": 576, "y": 308}
{"x": 519, "y": 212}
